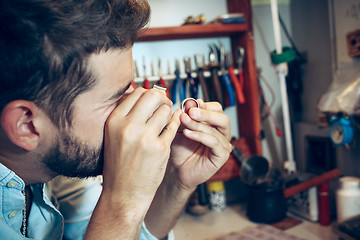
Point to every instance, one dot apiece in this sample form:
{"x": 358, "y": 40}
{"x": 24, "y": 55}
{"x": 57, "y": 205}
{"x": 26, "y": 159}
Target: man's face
{"x": 78, "y": 151}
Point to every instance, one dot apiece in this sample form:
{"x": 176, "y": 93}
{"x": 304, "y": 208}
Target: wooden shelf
{"x": 192, "y": 31}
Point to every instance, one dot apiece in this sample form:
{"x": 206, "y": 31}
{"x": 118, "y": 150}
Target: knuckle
{"x": 127, "y": 133}
{"x": 155, "y": 93}
{"x": 139, "y": 90}
{"x": 218, "y": 106}
{"x": 166, "y": 109}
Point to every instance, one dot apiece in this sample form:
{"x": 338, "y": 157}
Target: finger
{"x": 218, "y": 149}
{"x": 147, "y": 104}
{"x": 199, "y": 127}
{"x": 159, "y": 119}
{"x": 211, "y": 106}
{"x": 128, "y": 101}
{"x": 213, "y": 118}
{"x": 169, "y": 132}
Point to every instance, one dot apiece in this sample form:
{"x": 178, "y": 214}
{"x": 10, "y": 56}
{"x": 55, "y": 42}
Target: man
{"x": 68, "y": 108}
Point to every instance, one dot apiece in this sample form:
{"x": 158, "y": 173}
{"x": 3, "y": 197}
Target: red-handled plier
{"x": 162, "y": 81}
{"x": 238, "y": 82}
{"x": 146, "y": 83}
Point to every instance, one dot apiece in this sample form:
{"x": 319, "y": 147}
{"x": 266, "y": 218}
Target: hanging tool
{"x": 226, "y": 78}
{"x": 238, "y": 83}
{"x": 177, "y": 85}
{"x": 137, "y": 75}
{"x": 161, "y": 81}
{"x": 146, "y": 83}
{"x": 193, "y": 85}
{"x": 214, "y": 68}
{"x": 200, "y": 74}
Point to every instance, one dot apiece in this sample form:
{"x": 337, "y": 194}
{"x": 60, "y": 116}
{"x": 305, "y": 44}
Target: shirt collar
{"x": 6, "y": 176}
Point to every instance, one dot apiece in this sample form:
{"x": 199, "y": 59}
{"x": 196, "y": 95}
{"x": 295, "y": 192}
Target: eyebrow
{"x": 118, "y": 94}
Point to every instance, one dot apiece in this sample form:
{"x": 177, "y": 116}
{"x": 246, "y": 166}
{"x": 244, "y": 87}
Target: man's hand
{"x": 200, "y": 148}
{"x": 137, "y": 140}
{"x": 203, "y": 145}
{"x": 138, "y": 135}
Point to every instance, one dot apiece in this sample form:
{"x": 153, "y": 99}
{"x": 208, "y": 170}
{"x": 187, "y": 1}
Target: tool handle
{"x": 180, "y": 86}
{"x": 163, "y": 84}
{"x": 146, "y": 84}
{"x": 237, "y": 154}
{"x": 229, "y": 89}
{"x": 193, "y": 86}
{"x": 202, "y": 194}
{"x": 203, "y": 85}
{"x": 174, "y": 92}
{"x": 238, "y": 84}
{"x": 216, "y": 85}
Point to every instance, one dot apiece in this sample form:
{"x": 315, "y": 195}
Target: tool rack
{"x": 241, "y": 35}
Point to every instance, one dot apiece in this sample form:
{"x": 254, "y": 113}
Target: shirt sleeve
{"x": 146, "y": 235}
{"x": 77, "y": 199}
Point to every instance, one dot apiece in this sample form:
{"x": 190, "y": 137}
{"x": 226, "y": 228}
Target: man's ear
{"x": 17, "y": 120}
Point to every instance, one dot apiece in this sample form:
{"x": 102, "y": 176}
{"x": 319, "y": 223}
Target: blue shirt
{"x": 60, "y": 209}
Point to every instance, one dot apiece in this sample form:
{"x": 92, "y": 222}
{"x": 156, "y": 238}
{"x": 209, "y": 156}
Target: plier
{"x": 200, "y": 76}
{"x": 178, "y": 84}
{"x": 193, "y": 85}
{"x": 136, "y": 70}
{"x": 161, "y": 81}
{"x": 226, "y": 78}
{"x": 146, "y": 83}
{"x": 238, "y": 82}
{"x": 214, "y": 68}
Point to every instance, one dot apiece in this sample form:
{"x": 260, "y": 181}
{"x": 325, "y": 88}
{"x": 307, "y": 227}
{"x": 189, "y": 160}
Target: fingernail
{"x": 187, "y": 131}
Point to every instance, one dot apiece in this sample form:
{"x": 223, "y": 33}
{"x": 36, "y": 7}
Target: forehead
{"x": 112, "y": 71}
{"x": 112, "y": 63}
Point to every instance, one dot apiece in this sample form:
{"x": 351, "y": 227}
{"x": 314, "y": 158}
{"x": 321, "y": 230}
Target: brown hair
{"x": 45, "y": 46}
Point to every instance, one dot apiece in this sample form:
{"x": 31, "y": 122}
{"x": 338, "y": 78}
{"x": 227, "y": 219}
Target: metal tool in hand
{"x": 200, "y": 74}
{"x": 160, "y": 88}
{"x": 193, "y": 85}
{"x": 226, "y": 78}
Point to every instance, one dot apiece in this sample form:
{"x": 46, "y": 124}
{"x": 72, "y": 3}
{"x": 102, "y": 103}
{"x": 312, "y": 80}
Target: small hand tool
{"x": 177, "y": 85}
{"x": 226, "y": 78}
{"x": 237, "y": 82}
{"x": 136, "y": 71}
{"x": 200, "y": 74}
{"x": 146, "y": 81}
{"x": 214, "y": 68}
{"x": 161, "y": 80}
{"x": 161, "y": 88}
{"x": 193, "y": 85}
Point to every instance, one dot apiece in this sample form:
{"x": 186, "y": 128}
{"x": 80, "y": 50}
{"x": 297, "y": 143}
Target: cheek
{"x": 91, "y": 130}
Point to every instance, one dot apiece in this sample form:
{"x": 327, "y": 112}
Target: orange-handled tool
{"x": 238, "y": 85}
